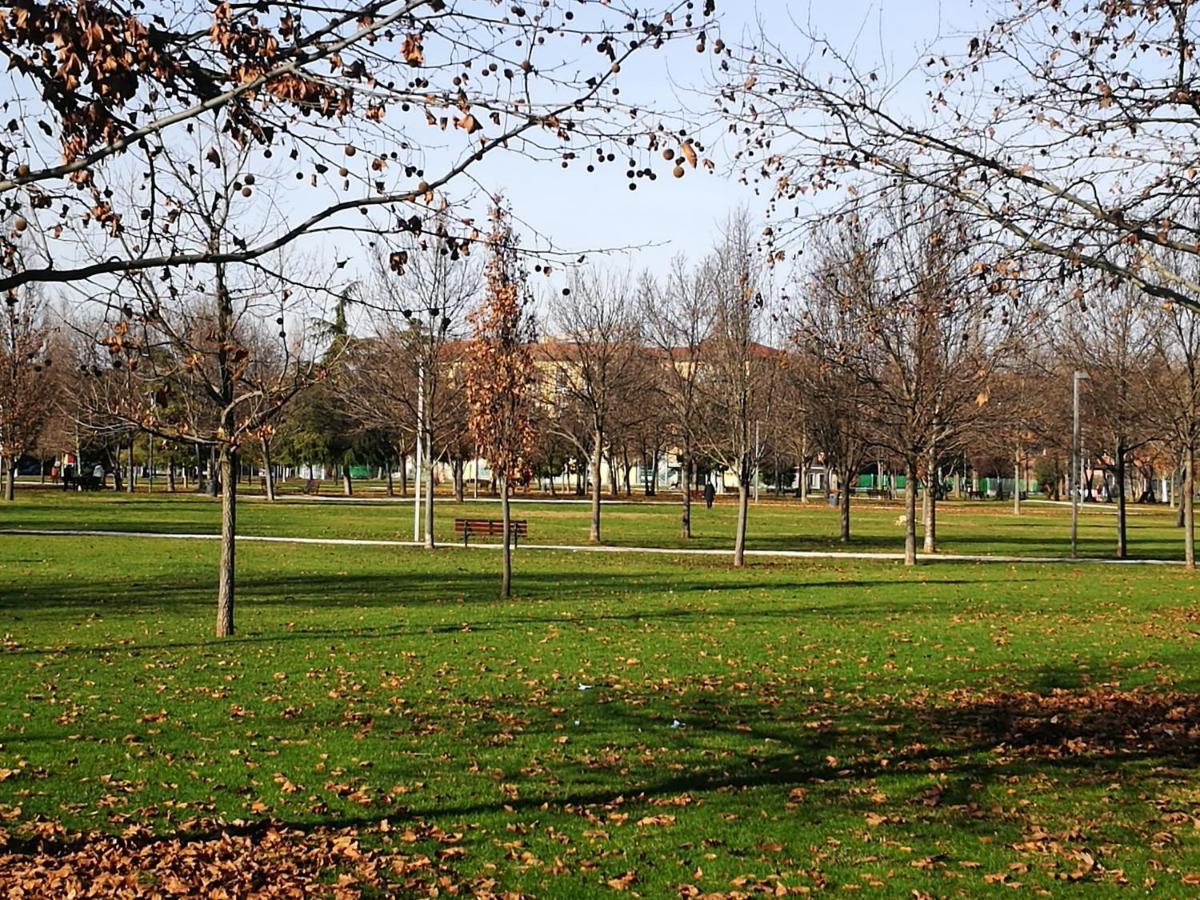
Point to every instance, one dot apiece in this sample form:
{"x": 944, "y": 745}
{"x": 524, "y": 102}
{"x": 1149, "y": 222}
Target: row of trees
{"x": 896, "y": 343}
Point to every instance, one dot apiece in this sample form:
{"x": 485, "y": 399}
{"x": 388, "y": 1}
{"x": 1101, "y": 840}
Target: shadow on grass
{"x": 937, "y": 756}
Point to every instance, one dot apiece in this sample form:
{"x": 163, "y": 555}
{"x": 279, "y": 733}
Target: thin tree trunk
{"x": 170, "y": 477}
{"x": 685, "y": 481}
{"x": 225, "y": 586}
{"x": 268, "y": 470}
{"x": 1188, "y": 505}
{"x": 597, "y": 453}
{"x": 460, "y": 478}
{"x": 1181, "y": 478}
{"x": 930, "y": 519}
{"x": 506, "y": 573}
{"x": 10, "y": 473}
{"x": 1122, "y": 548}
{"x": 910, "y": 512}
{"x": 804, "y": 471}
{"x": 131, "y": 483}
{"x": 212, "y": 474}
{"x": 347, "y": 482}
{"x": 403, "y": 475}
{"x": 739, "y": 547}
{"x": 844, "y": 506}
{"x": 614, "y": 484}
{"x": 389, "y": 482}
{"x": 1018, "y": 462}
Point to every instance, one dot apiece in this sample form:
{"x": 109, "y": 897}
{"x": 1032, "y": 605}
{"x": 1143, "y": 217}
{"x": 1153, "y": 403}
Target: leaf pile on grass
{"x": 272, "y": 861}
{"x": 1096, "y": 722}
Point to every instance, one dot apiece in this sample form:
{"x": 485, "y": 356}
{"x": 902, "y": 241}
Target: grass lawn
{"x": 963, "y": 527}
{"x": 660, "y": 725}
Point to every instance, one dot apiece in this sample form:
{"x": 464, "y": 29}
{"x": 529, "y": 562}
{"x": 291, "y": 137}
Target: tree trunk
{"x": 739, "y": 546}
{"x": 10, "y": 477}
{"x": 403, "y": 475}
{"x": 844, "y": 507}
{"x": 597, "y": 454}
{"x": 212, "y": 474}
{"x": 614, "y": 483}
{"x": 1122, "y": 548}
{"x": 685, "y": 481}
{"x": 931, "y": 488}
{"x": 460, "y": 478}
{"x": 171, "y": 478}
{"x": 129, "y": 485}
{"x": 225, "y": 585}
{"x": 1188, "y": 504}
{"x": 506, "y": 553}
{"x": 1018, "y": 462}
{"x": 268, "y": 471}
{"x": 910, "y": 512}
{"x": 347, "y": 482}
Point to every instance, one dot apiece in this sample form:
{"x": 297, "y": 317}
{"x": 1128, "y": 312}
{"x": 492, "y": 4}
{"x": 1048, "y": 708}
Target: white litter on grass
{"x": 584, "y": 687}
{"x": 675, "y": 723}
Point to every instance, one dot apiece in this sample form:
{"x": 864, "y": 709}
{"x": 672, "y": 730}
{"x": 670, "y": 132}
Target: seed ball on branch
{"x": 20, "y": 224}
{"x": 677, "y": 171}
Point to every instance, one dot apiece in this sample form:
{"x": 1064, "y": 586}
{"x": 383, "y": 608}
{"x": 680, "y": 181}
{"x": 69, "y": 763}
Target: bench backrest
{"x": 490, "y": 526}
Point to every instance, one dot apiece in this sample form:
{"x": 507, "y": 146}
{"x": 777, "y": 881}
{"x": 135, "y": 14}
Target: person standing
{"x": 710, "y": 494}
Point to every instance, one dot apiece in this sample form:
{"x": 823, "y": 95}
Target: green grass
{"x": 945, "y": 729}
{"x": 963, "y": 527}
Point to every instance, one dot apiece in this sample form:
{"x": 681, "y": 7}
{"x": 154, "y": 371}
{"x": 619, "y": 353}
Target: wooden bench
{"x": 518, "y": 528}
{"x": 312, "y": 486}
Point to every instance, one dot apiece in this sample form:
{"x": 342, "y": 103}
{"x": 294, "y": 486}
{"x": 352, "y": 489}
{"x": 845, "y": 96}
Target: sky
{"x": 669, "y": 216}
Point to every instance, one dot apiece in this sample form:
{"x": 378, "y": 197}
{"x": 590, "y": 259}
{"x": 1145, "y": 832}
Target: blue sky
{"x": 670, "y": 216}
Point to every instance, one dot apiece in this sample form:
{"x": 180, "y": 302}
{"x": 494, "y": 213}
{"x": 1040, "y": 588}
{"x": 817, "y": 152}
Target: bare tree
{"x": 348, "y": 93}
{"x": 835, "y": 404}
{"x": 926, "y": 341}
{"x": 1174, "y": 384}
{"x": 740, "y": 369}
{"x": 186, "y": 341}
{"x": 594, "y": 363}
{"x": 27, "y": 384}
{"x": 1111, "y": 338}
{"x": 422, "y": 290}
{"x": 1059, "y": 124}
{"x": 678, "y": 314}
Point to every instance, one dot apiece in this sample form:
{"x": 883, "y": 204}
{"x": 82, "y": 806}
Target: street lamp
{"x": 1075, "y": 474}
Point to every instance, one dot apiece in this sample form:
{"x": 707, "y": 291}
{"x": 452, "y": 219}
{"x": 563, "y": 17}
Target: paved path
{"x": 584, "y": 548}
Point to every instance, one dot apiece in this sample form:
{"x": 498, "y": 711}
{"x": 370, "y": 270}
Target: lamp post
{"x": 1075, "y": 474}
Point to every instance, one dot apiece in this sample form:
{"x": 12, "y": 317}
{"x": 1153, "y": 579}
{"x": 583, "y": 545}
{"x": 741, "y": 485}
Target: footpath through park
{"x": 594, "y": 548}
